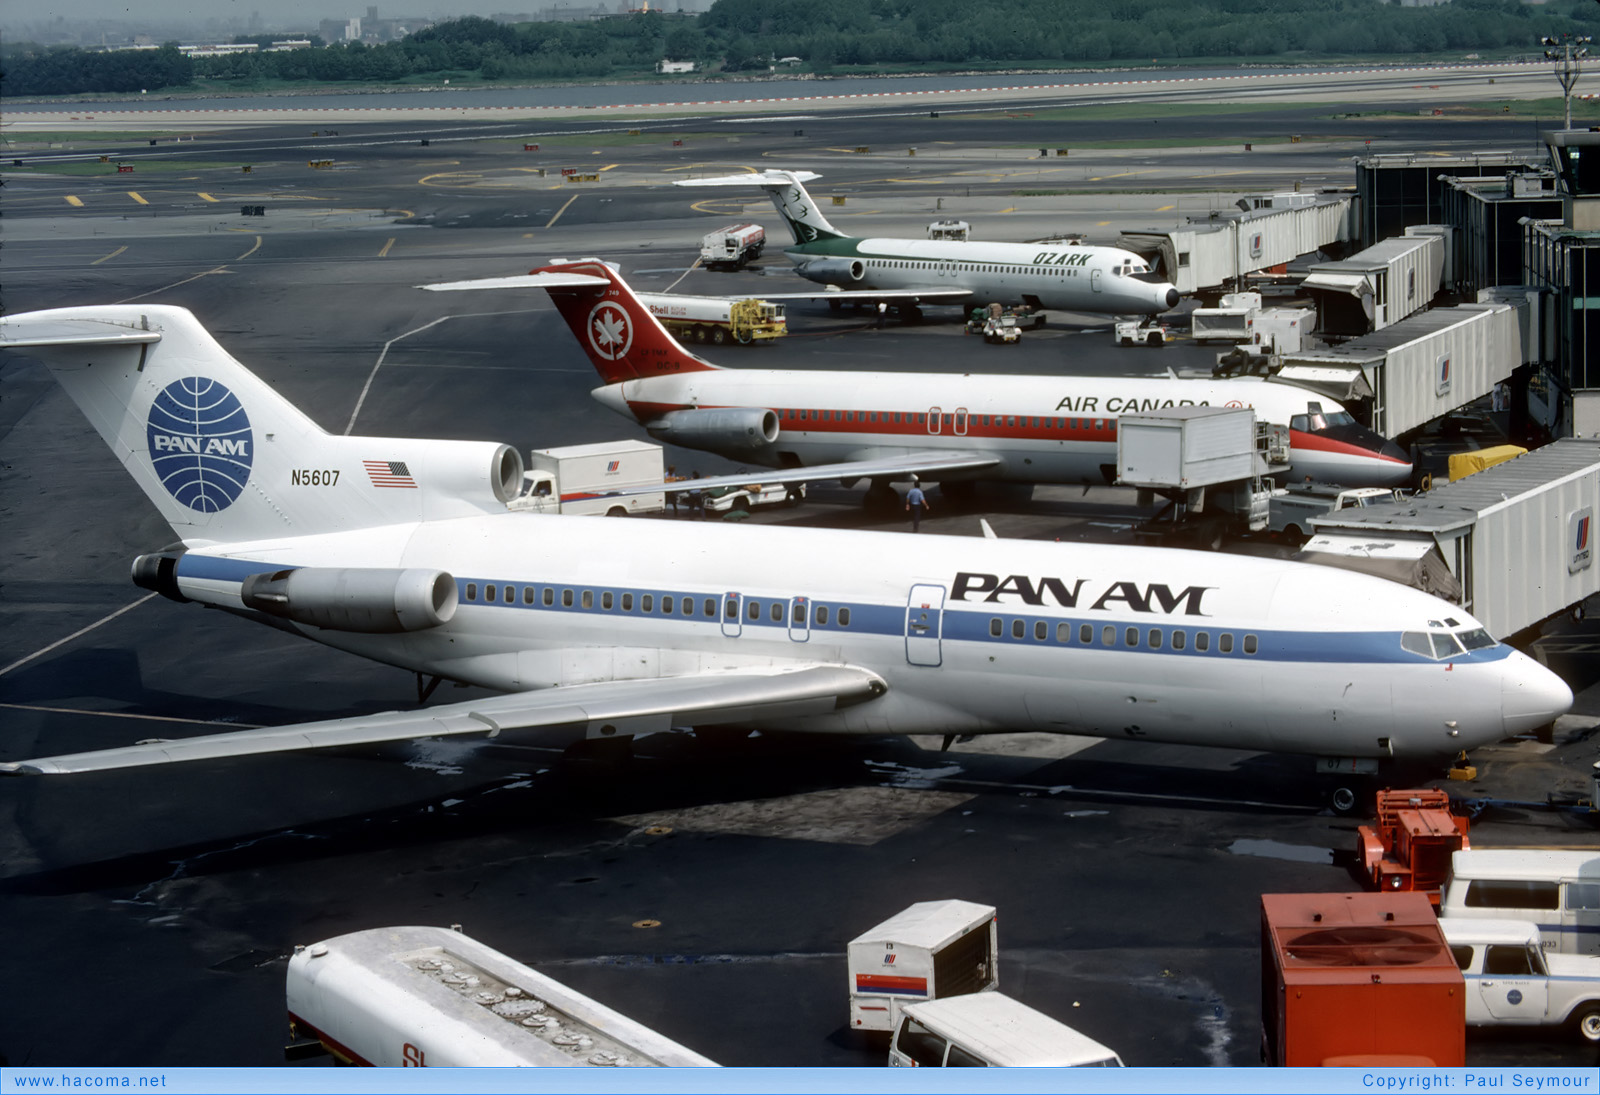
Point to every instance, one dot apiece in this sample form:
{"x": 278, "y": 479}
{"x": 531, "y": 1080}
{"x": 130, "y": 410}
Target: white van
{"x": 1557, "y": 890}
{"x": 990, "y": 1030}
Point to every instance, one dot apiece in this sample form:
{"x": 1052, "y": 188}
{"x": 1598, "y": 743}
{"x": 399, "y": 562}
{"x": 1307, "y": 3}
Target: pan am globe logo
{"x": 610, "y": 331}
{"x": 200, "y": 443}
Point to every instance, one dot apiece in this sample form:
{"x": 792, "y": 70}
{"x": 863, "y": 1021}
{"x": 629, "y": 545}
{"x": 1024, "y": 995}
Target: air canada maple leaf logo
{"x": 610, "y": 330}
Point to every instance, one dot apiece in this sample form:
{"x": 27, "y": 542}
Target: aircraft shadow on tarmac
{"x": 545, "y": 789}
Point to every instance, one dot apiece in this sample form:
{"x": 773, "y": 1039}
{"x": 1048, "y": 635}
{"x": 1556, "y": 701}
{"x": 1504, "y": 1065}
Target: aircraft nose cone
{"x": 1531, "y": 696}
{"x": 1173, "y": 297}
{"x": 1396, "y": 464}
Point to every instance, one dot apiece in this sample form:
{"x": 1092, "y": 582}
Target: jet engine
{"x": 373, "y": 601}
{"x": 732, "y": 430}
{"x": 458, "y": 469}
{"x": 833, "y": 271}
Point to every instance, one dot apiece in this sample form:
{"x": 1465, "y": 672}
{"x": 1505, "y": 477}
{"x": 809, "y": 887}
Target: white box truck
{"x": 1282, "y": 330}
{"x": 1186, "y": 447}
{"x": 931, "y": 950}
{"x": 609, "y": 478}
{"x": 427, "y": 996}
{"x": 1229, "y": 321}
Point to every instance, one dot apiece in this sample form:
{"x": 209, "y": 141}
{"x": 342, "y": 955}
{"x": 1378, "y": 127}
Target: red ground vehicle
{"x": 1410, "y": 844}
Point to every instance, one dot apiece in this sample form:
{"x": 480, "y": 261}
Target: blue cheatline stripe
{"x": 191, "y": 565}
{"x": 957, "y": 625}
{"x": 965, "y": 625}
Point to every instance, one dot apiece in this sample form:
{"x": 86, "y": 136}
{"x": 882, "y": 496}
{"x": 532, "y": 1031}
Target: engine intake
{"x": 833, "y": 271}
{"x": 373, "y": 601}
{"x": 736, "y": 431}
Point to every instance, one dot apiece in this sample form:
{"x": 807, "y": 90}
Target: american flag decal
{"x": 389, "y": 473}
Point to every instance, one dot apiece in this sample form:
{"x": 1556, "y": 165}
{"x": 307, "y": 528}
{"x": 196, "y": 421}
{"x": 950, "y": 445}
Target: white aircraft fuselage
{"x": 1042, "y": 429}
{"x": 1068, "y": 277}
{"x": 970, "y": 635}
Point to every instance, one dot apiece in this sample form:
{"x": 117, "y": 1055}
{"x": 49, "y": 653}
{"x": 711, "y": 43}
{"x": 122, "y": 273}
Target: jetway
{"x": 1230, "y": 245}
{"x": 1517, "y": 537}
{"x": 1378, "y": 287}
{"x": 1419, "y": 369}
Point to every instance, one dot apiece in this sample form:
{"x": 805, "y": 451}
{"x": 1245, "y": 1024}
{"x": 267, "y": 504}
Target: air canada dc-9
{"x": 811, "y": 424}
{"x": 403, "y": 551}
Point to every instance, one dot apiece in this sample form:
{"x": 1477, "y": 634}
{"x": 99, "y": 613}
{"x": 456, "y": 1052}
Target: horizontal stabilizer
{"x": 628, "y": 706}
{"x": 758, "y": 178}
{"x": 45, "y": 329}
{"x": 520, "y": 281}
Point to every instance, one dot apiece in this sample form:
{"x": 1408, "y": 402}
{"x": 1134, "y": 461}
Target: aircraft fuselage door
{"x": 959, "y": 426}
{"x": 1094, "y": 279}
{"x": 732, "y": 604}
{"x": 933, "y": 420}
{"x": 799, "y": 619}
{"x": 924, "y": 624}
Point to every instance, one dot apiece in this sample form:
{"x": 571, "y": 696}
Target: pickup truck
{"x": 1512, "y": 981}
{"x": 1292, "y": 508}
{"x": 744, "y": 499}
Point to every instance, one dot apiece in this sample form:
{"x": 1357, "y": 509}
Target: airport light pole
{"x": 1568, "y": 51}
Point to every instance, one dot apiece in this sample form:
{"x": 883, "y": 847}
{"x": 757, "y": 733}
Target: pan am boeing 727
{"x": 403, "y": 551}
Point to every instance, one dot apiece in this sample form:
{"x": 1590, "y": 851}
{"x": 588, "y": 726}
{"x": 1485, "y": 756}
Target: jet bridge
{"x": 1418, "y": 369}
{"x": 1229, "y": 245}
{"x": 1517, "y": 537}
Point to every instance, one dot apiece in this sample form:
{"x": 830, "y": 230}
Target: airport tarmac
{"x": 707, "y": 888}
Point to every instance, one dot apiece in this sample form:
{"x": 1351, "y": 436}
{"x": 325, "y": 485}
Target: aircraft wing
{"x": 898, "y": 467}
{"x": 632, "y": 706}
{"x": 518, "y": 281}
{"x": 916, "y": 296}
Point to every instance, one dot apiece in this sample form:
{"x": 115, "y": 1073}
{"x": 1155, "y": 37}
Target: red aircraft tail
{"x": 623, "y": 340}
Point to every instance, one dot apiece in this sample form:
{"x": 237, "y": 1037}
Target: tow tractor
{"x": 1410, "y": 844}
{"x": 1141, "y": 332}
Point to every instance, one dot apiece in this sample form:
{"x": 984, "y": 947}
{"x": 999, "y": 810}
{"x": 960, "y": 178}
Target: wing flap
{"x": 914, "y": 463}
{"x": 704, "y": 699}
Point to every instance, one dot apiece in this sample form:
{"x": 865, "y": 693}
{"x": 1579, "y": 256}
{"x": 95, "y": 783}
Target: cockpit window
{"x": 1311, "y": 423}
{"x": 1417, "y": 642}
{"x": 1439, "y": 645}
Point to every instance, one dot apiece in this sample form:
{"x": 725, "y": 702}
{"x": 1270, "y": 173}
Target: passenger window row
{"x": 978, "y": 421}
{"x": 647, "y": 603}
{"x": 1148, "y": 638}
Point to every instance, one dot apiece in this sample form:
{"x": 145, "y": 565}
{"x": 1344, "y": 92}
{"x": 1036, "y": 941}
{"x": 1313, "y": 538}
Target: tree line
{"x": 831, "y": 36}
